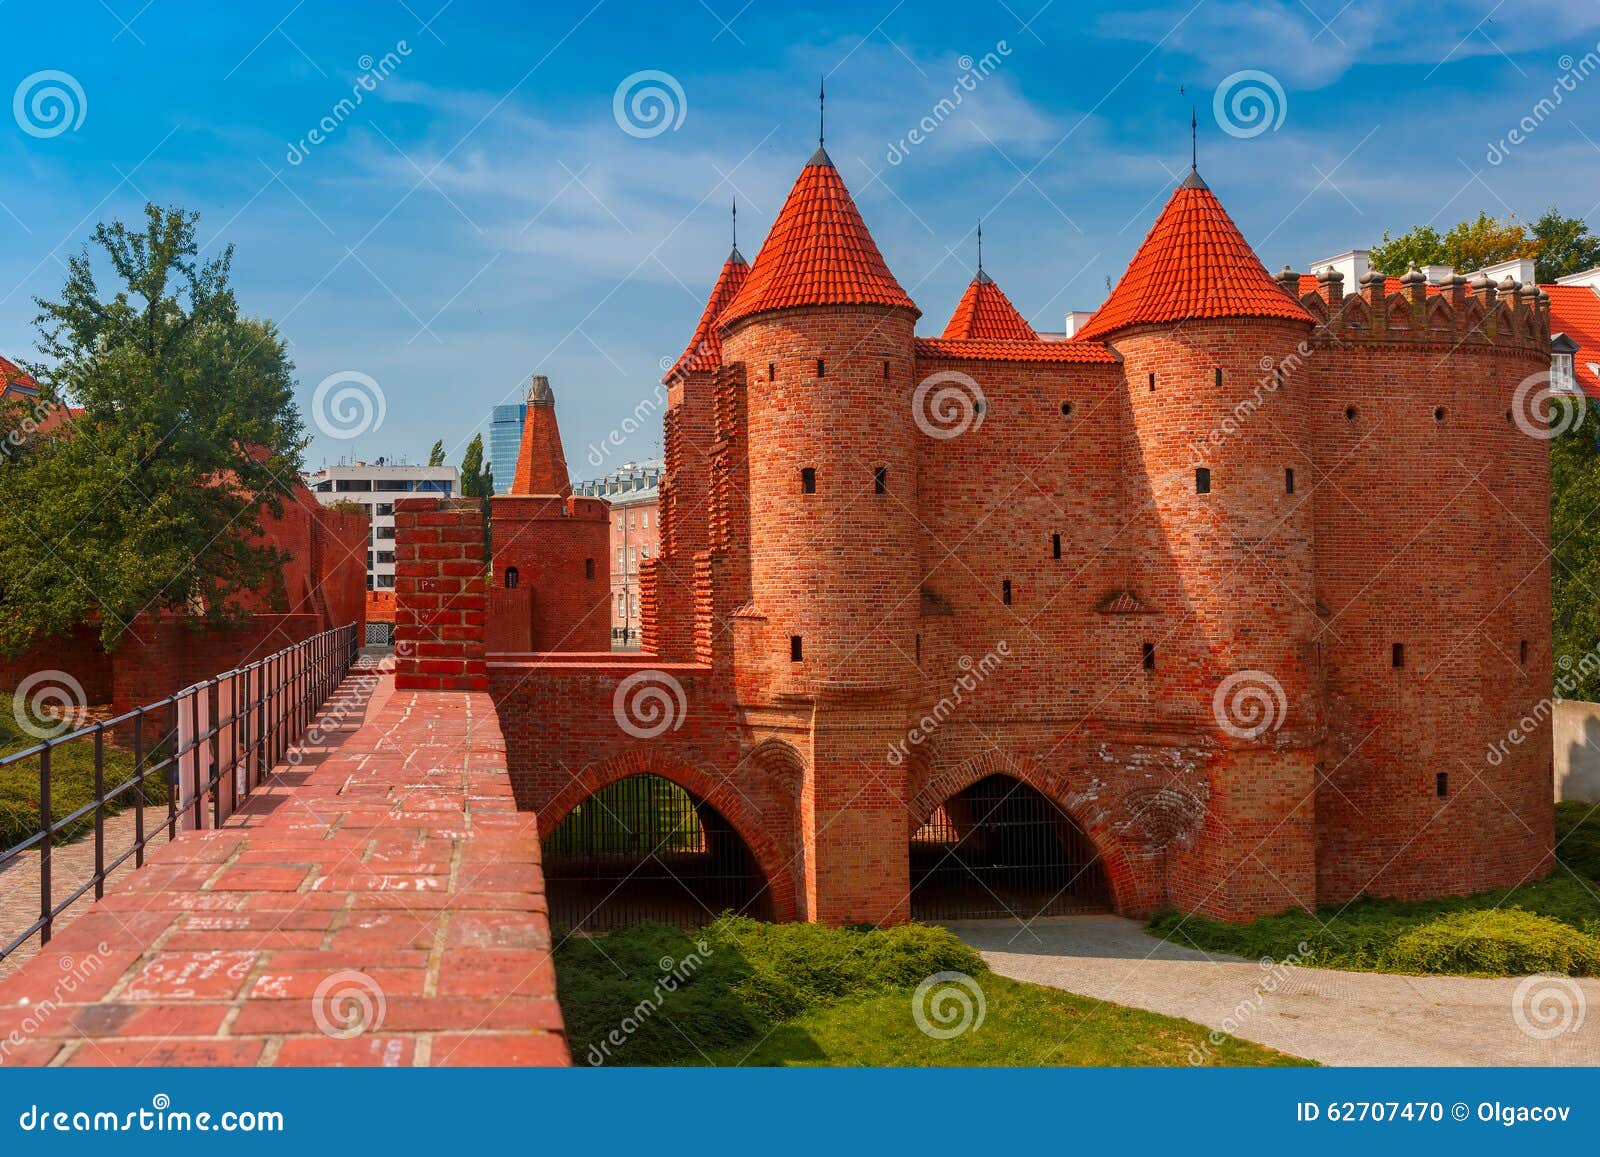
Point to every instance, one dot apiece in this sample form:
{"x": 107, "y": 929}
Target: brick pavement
{"x": 380, "y": 904}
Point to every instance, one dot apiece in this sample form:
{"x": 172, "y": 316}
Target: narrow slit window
{"x": 880, "y": 480}
{"x": 1152, "y": 383}
{"x": 919, "y": 648}
{"x": 822, "y": 368}
{"x": 1441, "y": 784}
{"x": 1055, "y": 546}
{"x": 796, "y": 649}
{"x": 885, "y": 371}
{"x": 513, "y": 576}
{"x": 808, "y": 480}
{"x": 1397, "y": 655}
{"x": 1524, "y": 650}
{"x": 1288, "y": 480}
{"x": 1148, "y": 656}
{"x": 1005, "y": 592}
{"x": 772, "y": 371}
{"x": 588, "y": 568}
{"x": 1202, "y": 480}
{"x": 1219, "y": 377}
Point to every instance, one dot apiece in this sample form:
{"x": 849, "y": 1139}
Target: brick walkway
{"x": 381, "y": 904}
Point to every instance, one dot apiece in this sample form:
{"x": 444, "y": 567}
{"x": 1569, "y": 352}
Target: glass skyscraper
{"x": 505, "y": 441}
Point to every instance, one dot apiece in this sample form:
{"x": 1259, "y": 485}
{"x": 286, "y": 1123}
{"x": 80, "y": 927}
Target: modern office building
{"x": 505, "y": 439}
{"x": 376, "y": 485}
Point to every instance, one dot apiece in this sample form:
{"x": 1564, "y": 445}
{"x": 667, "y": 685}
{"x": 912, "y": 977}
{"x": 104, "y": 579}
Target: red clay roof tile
{"x": 1033, "y": 350}
{"x": 985, "y": 313}
{"x": 705, "y": 347}
{"x": 1194, "y": 263}
{"x": 1575, "y": 311}
{"x": 819, "y": 252}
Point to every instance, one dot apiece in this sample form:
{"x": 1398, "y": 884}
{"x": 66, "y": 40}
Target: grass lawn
{"x": 745, "y": 993}
{"x": 71, "y": 781}
{"x": 1546, "y": 925}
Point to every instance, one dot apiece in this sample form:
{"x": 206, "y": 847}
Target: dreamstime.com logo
{"x": 1248, "y": 103}
{"x": 1248, "y": 704}
{"x": 49, "y": 103}
{"x": 348, "y": 404}
{"x": 1547, "y": 1004}
{"x": 649, "y": 703}
{"x": 947, "y": 404}
{"x": 948, "y": 1004}
{"x": 1538, "y": 415}
{"x": 648, "y": 103}
{"x": 347, "y": 1004}
{"x": 35, "y": 697}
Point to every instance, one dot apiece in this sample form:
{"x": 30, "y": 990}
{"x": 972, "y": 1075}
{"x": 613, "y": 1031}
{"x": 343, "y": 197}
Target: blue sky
{"x": 482, "y": 213}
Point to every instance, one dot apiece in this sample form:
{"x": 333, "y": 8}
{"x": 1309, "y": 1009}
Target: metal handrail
{"x": 215, "y": 741}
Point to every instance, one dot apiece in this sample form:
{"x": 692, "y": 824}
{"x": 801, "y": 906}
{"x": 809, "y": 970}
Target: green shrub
{"x": 659, "y": 995}
{"x": 1578, "y": 838}
{"x": 1504, "y": 942}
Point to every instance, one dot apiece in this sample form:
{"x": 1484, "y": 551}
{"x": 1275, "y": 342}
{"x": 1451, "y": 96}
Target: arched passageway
{"x": 644, "y": 849}
{"x": 1000, "y": 848}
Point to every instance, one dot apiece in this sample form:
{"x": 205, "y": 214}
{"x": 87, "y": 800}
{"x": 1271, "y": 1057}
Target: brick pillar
{"x": 440, "y": 595}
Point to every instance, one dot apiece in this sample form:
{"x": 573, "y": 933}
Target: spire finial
{"x": 1194, "y": 141}
{"x": 822, "y": 98}
{"x": 980, "y": 245}
{"x": 736, "y": 222}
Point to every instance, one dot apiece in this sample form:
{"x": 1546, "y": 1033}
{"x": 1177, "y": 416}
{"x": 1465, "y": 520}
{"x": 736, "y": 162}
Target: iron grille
{"x": 1000, "y": 848}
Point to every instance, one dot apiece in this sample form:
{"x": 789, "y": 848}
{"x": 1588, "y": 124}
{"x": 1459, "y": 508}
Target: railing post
{"x": 138, "y": 795}
{"x": 99, "y": 810}
{"x": 46, "y": 823}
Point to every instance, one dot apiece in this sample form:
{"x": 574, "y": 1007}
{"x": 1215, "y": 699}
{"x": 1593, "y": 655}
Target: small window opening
{"x": 1219, "y": 377}
{"x": 1438, "y": 414}
{"x": 1350, "y": 413}
{"x": 1152, "y": 383}
{"x": 880, "y": 480}
{"x": 1397, "y": 655}
{"x": 588, "y": 568}
{"x": 772, "y": 371}
{"x": 822, "y": 368}
{"x": 513, "y": 577}
{"x": 885, "y": 371}
{"x": 1149, "y": 655}
{"x": 919, "y": 648}
{"x": 1202, "y": 480}
{"x": 808, "y": 480}
{"x": 1441, "y": 784}
{"x": 1524, "y": 651}
{"x": 1055, "y": 546}
{"x": 1066, "y": 409}
{"x": 796, "y": 649}
{"x": 1005, "y": 592}
{"x": 1288, "y": 480}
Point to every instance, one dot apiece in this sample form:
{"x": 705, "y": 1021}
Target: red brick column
{"x": 440, "y": 595}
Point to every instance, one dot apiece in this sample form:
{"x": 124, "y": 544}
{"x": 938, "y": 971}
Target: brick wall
{"x": 441, "y": 603}
{"x": 559, "y": 547}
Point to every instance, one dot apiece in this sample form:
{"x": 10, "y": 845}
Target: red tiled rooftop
{"x": 704, "y": 351}
{"x": 986, "y": 314}
{"x": 1193, "y": 264}
{"x": 12, "y": 374}
{"x": 819, "y": 252}
{"x": 1575, "y": 311}
{"x": 1015, "y": 351}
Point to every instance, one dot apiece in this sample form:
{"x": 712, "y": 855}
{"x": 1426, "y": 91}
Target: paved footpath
{"x": 380, "y": 904}
{"x": 1339, "y": 1018}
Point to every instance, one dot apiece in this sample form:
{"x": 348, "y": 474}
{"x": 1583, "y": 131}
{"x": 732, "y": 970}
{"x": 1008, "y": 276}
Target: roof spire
{"x": 822, "y": 100}
{"x": 1194, "y": 141}
{"x": 980, "y": 244}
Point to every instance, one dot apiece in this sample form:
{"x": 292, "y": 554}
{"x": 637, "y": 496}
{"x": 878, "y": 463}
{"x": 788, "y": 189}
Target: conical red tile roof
{"x": 705, "y": 347}
{"x": 986, "y": 314}
{"x": 1194, "y": 263}
{"x": 818, "y": 253}
{"x": 541, "y": 464}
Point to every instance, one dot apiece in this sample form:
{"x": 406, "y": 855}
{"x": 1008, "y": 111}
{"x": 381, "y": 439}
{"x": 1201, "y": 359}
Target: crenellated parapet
{"x": 1408, "y": 310}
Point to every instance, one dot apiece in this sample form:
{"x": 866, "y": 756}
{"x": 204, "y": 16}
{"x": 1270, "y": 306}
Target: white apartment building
{"x": 376, "y": 485}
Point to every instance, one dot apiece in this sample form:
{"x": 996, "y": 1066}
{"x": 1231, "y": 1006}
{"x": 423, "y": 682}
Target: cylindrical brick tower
{"x": 825, "y": 335}
{"x": 1211, "y": 348}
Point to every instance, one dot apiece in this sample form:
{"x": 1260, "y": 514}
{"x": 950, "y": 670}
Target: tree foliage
{"x": 1558, "y": 244}
{"x": 152, "y": 499}
{"x": 476, "y": 479}
{"x": 436, "y": 455}
{"x": 1575, "y": 547}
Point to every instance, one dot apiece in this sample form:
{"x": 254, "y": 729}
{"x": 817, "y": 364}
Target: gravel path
{"x": 1338, "y": 1018}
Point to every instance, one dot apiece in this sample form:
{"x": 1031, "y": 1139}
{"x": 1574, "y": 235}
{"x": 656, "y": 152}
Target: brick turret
{"x": 541, "y": 463}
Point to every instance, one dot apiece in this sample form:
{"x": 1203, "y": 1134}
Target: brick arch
{"x": 753, "y": 828}
{"x": 947, "y": 781}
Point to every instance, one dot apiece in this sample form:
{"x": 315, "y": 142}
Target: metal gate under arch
{"x": 644, "y": 849}
{"x": 1000, "y": 848}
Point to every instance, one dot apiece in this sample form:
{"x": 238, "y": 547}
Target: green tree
{"x": 476, "y": 481}
{"x": 1575, "y": 558}
{"x": 436, "y": 455}
{"x": 1565, "y": 246}
{"x": 1467, "y": 245}
{"x": 153, "y": 498}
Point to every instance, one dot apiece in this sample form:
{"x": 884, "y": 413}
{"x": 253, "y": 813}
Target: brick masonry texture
{"x": 390, "y": 870}
{"x": 810, "y": 632}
